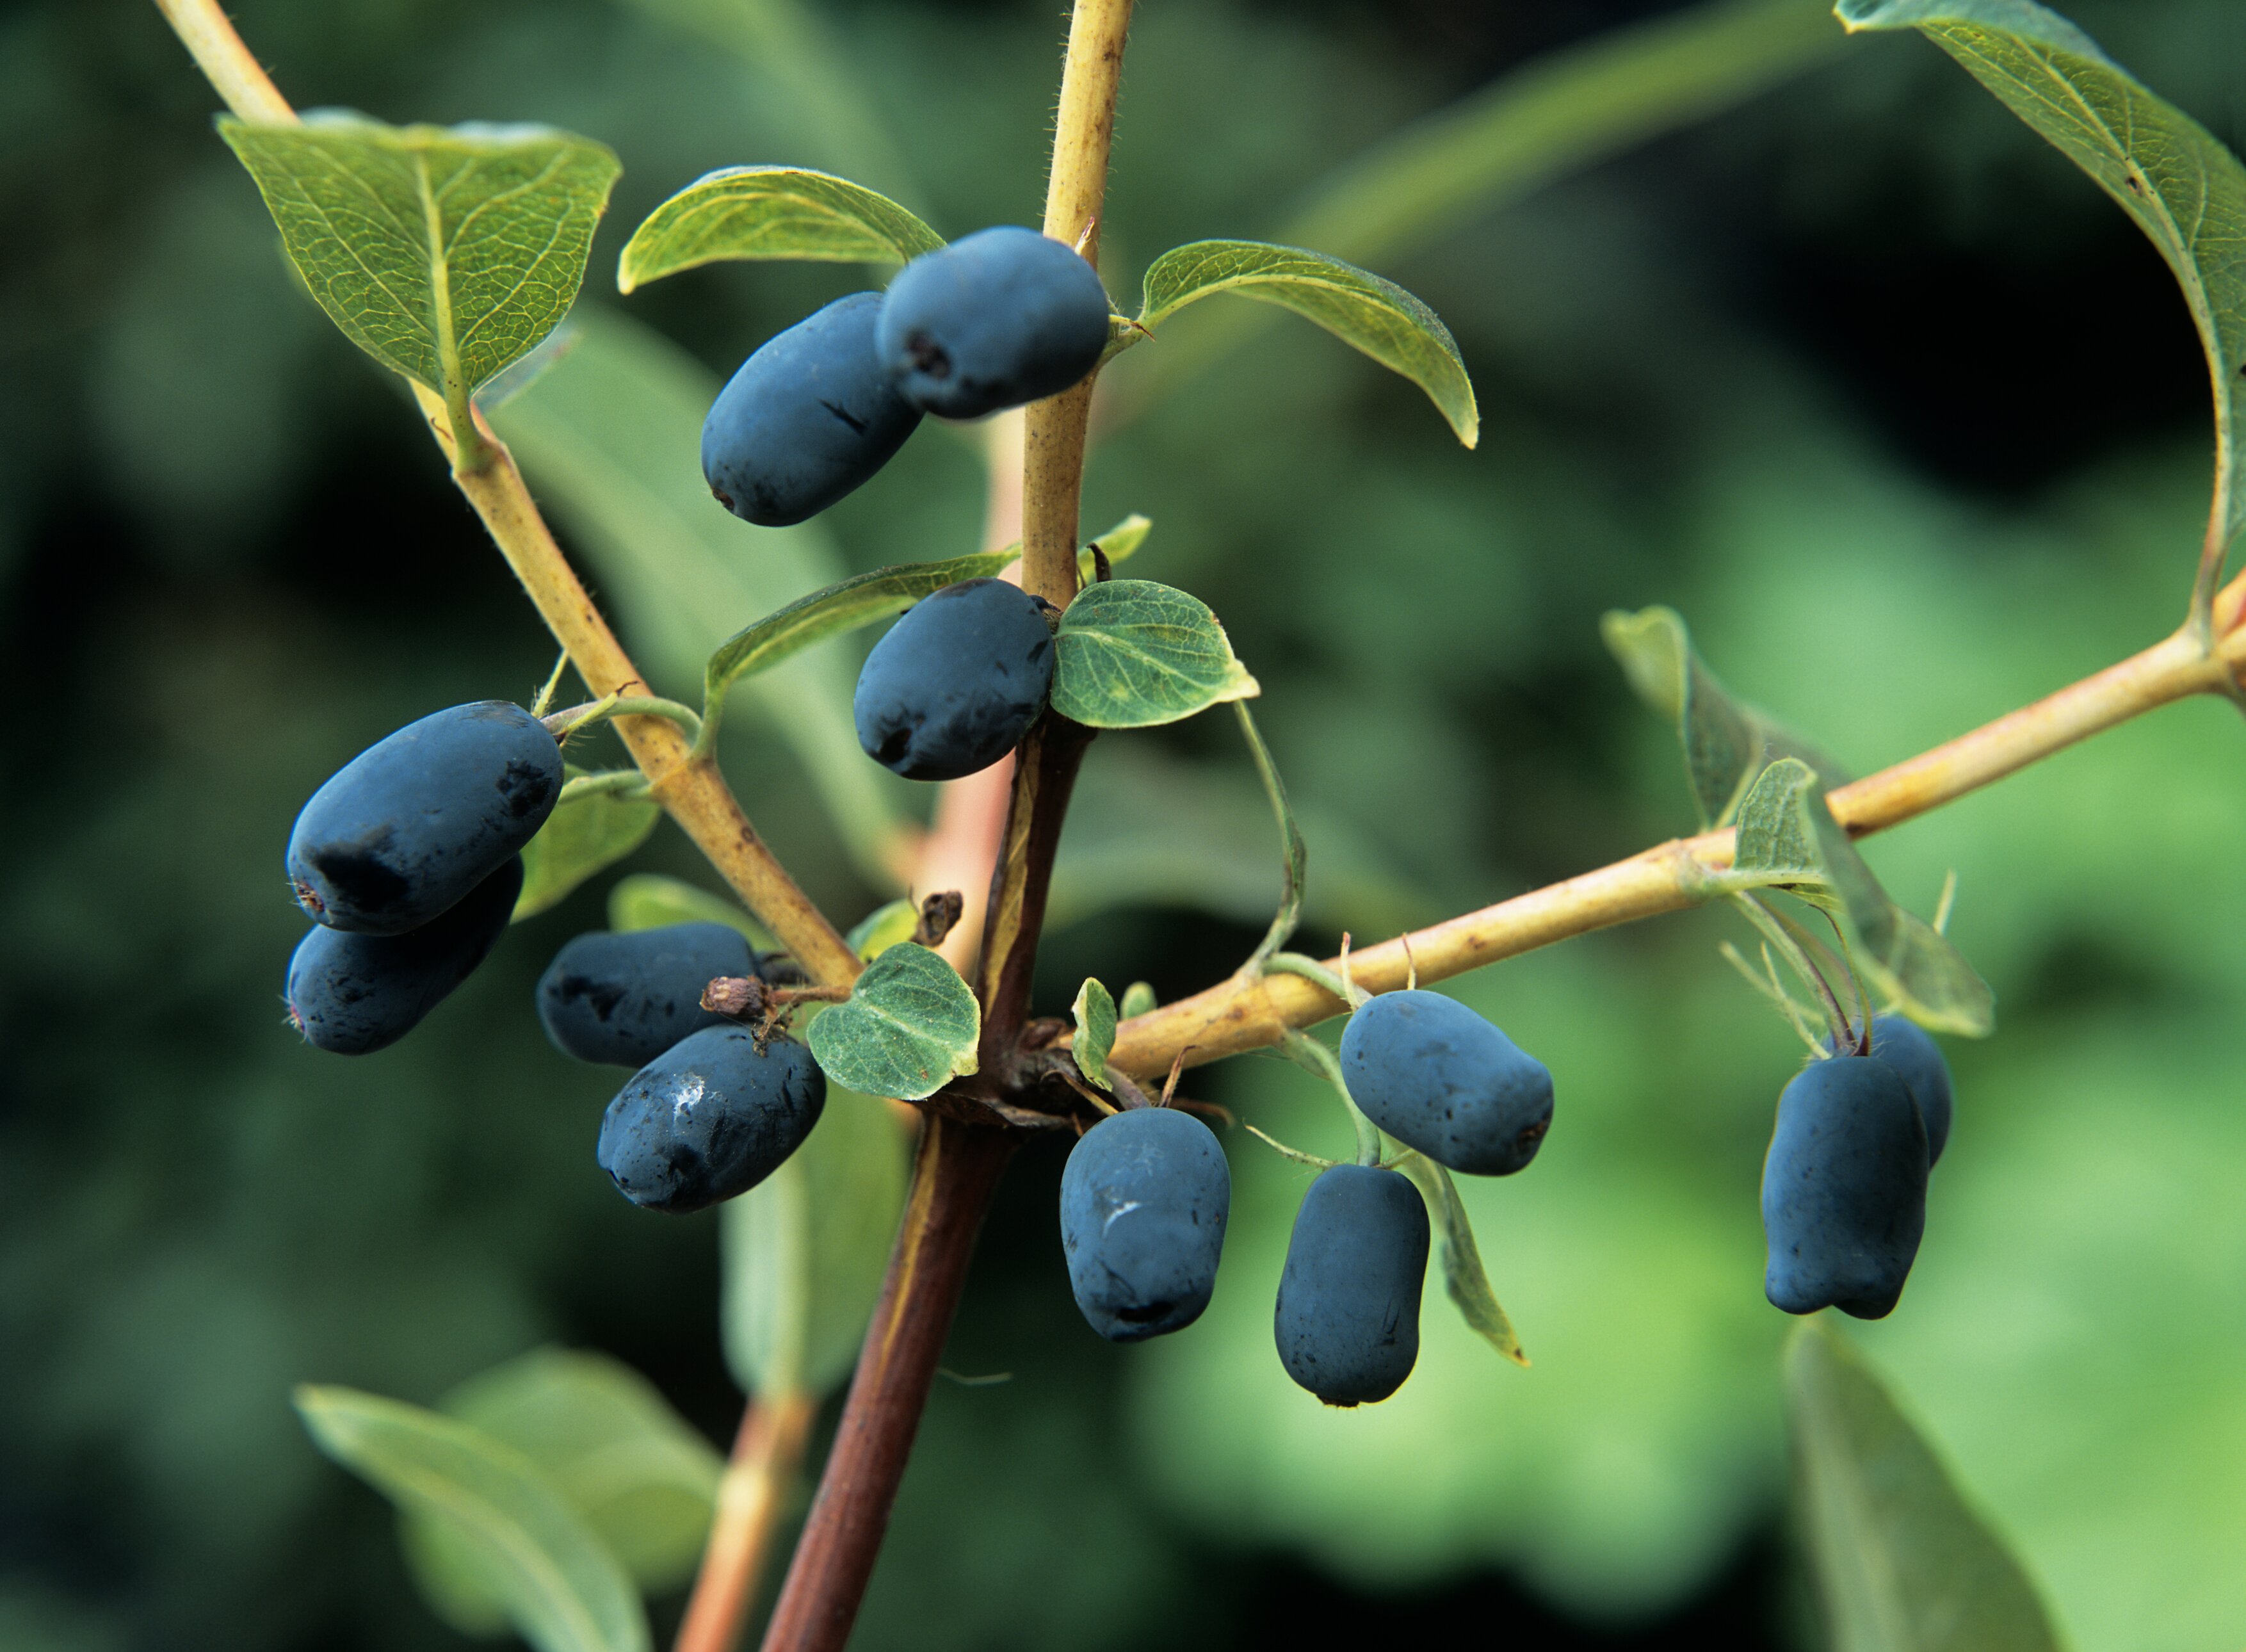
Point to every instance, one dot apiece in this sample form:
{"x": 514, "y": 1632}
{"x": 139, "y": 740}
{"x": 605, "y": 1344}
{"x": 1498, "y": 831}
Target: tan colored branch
{"x": 694, "y": 792}
{"x": 1236, "y": 1015}
{"x": 767, "y": 1454}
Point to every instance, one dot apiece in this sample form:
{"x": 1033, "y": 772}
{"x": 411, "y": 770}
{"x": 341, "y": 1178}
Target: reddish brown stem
{"x": 1044, "y": 773}
{"x": 954, "y": 1177}
{"x": 767, "y": 1454}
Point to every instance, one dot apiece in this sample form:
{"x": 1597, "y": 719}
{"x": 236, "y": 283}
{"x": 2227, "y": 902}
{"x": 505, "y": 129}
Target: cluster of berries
{"x": 1844, "y": 1184}
{"x": 1146, "y": 1193}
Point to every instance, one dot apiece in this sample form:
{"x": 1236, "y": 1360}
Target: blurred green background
{"x": 1875, "y": 389}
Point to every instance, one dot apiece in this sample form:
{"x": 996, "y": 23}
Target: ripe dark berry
{"x": 1348, "y": 1319}
{"x": 1143, "y": 1203}
{"x": 997, "y": 318}
{"x": 808, "y": 418}
{"x": 710, "y": 1118}
{"x": 1439, "y": 1077}
{"x": 1910, "y": 1050}
{"x": 956, "y": 682}
{"x": 415, "y": 821}
{"x": 351, "y": 994}
{"x": 625, "y": 998}
{"x": 1843, "y": 1189}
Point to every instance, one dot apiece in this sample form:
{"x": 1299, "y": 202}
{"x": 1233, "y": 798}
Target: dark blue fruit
{"x": 1348, "y": 1319}
{"x": 1439, "y": 1077}
{"x": 1843, "y": 1189}
{"x": 415, "y": 821}
{"x": 1910, "y": 1050}
{"x": 956, "y": 682}
{"x": 1143, "y": 1203}
{"x": 710, "y": 1118}
{"x": 626, "y": 997}
{"x": 806, "y": 420}
{"x": 996, "y": 319}
{"x": 351, "y": 994}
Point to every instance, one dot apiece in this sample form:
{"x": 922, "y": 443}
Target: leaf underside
{"x": 1131, "y": 654}
{"x": 1465, "y": 1279}
{"x": 581, "y": 838}
{"x": 1364, "y": 310}
{"x": 909, "y": 1027}
{"x": 1094, "y": 1010}
{"x": 649, "y": 900}
{"x": 445, "y": 253}
{"x": 771, "y": 212}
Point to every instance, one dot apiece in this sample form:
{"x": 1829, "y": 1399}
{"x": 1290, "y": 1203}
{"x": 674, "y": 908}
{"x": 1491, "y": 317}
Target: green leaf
{"x": 1787, "y": 838}
{"x": 804, "y": 1251}
{"x": 2184, "y": 189}
{"x": 1362, "y": 310}
{"x": 608, "y": 437}
{"x": 883, "y": 928}
{"x": 563, "y": 1590}
{"x": 908, "y": 1028}
{"x": 1904, "y": 1564}
{"x": 649, "y": 900}
{"x": 1094, "y": 1010}
{"x": 1138, "y": 1000}
{"x": 1727, "y": 743}
{"x": 842, "y": 606}
{"x": 1118, "y": 545}
{"x": 445, "y": 253}
{"x": 1463, "y": 1276}
{"x": 580, "y": 837}
{"x": 771, "y": 212}
{"x": 1131, "y": 654}
{"x": 643, "y": 1481}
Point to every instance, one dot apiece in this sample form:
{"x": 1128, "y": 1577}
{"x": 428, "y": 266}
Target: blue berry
{"x": 1439, "y": 1077}
{"x": 1843, "y": 1189}
{"x": 806, "y": 420}
{"x": 956, "y": 683}
{"x": 996, "y": 319}
{"x": 1348, "y": 1316}
{"x": 1910, "y": 1050}
{"x": 1143, "y": 1203}
{"x": 625, "y": 998}
{"x": 709, "y": 1118}
{"x": 412, "y": 824}
{"x": 351, "y": 994}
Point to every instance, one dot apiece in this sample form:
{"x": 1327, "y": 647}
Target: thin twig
{"x": 767, "y": 1455}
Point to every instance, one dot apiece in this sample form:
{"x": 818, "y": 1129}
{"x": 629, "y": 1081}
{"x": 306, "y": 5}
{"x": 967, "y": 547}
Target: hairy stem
{"x": 954, "y": 1177}
{"x": 1239, "y": 1014}
{"x": 767, "y": 1453}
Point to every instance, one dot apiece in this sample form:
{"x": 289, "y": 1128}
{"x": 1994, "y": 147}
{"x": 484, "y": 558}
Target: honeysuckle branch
{"x": 1238, "y": 1015}
{"x": 767, "y": 1453}
{"x": 689, "y": 788}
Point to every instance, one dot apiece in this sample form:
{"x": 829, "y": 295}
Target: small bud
{"x": 736, "y": 996}
{"x": 939, "y": 914}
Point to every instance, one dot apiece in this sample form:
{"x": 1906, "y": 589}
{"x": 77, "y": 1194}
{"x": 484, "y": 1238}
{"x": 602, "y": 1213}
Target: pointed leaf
{"x": 649, "y": 900}
{"x": 845, "y": 606}
{"x": 445, "y": 253}
{"x": 1138, "y": 1000}
{"x": 908, "y": 1028}
{"x": 1903, "y": 1563}
{"x": 1131, "y": 654}
{"x": 564, "y": 1591}
{"x": 643, "y": 1481}
{"x": 883, "y": 928}
{"x": 583, "y": 835}
{"x": 804, "y": 1251}
{"x": 771, "y": 212}
{"x": 1778, "y": 843}
{"x": 1464, "y": 1277}
{"x": 1726, "y": 742}
{"x": 1094, "y": 1010}
{"x": 2184, "y": 189}
{"x": 1362, "y": 310}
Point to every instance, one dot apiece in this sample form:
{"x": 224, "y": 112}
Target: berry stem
{"x": 767, "y": 1454}
{"x": 691, "y": 788}
{"x": 1234, "y": 1015}
{"x": 954, "y": 1177}
{"x": 1306, "y": 1052}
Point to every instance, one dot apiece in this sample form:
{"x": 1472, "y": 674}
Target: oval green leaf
{"x": 445, "y": 253}
{"x": 1131, "y": 654}
{"x": 561, "y": 1588}
{"x": 1362, "y": 310}
{"x": 804, "y": 1251}
{"x": 2184, "y": 189}
{"x": 1903, "y": 1562}
{"x": 771, "y": 212}
{"x": 886, "y": 926}
{"x": 649, "y": 901}
{"x": 1094, "y": 1010}
{"x": 1138, "y": 1000}
{"x": 908, "y": 1028}
{"x": 582, "y": 836}
{"x": 1465, "y": 1280}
